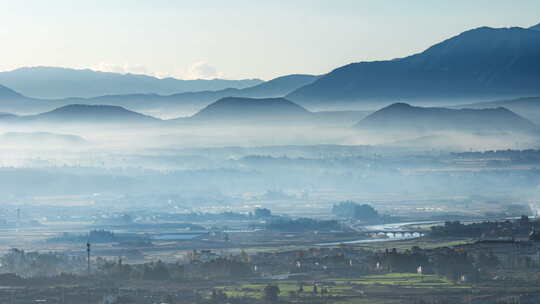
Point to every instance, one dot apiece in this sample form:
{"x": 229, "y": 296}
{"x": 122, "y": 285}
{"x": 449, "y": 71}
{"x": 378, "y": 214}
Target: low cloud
{"x": 202, "y": 70}
{"x": 7, "y": 67}
{"x": 197, "y": 70}
{"x": 122, "y": 69}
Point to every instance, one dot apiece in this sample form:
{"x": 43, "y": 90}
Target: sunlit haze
{"x": 236, "y": 39}
{"x": 270, "y": 152}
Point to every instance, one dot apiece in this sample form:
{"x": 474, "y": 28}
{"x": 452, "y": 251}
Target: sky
{"x": 236, "y": 39}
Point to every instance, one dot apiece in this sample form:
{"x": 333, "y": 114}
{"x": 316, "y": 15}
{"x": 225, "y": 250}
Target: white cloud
{"x": 7, "y": 67}
{"x": 202, "y": 70}
{"x": 122, "y": 69}
{"x": 197, "y": 70}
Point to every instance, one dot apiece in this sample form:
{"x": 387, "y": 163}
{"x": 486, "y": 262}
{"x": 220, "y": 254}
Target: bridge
{"x": 396, "y": 233}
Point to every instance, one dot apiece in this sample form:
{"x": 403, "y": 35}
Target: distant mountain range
{"x": 92, "y": 113}
{"x": 238, "y": 109}
{"x": 528, "y": 107}
{"x": 55, "y": 82}
{"x": 480, "y": 64}
{"x": 269, "y": 111}
{"x": 277, "y": 87}
{"x": 11, "y": 101}
{"x": 232, "y": 111}
{"x": 399, "y": 117}
{"x": 9, "y": 94}
{"x": 402, "y": 117}
{"x": 225, "y": 111}
{"x": 193, "y": 101}
{"x": 82, "y": 114}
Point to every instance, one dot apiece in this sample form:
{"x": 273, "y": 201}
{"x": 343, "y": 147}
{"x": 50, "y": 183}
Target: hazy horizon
{"x": 350, "y": 177}
{"x": 237, "y": 40}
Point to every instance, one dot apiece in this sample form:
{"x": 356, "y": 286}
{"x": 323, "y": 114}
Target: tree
{"x": 157, "y": 271}
{"x": 365, "y": 212}
{"x": 271, "y": 293}
{"x": 351, "y": 209}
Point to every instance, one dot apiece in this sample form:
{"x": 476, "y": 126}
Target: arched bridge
{"x": 397, "y": 233}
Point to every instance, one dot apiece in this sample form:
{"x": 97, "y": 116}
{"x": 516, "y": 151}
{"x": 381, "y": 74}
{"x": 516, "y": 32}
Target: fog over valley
{"x": 410, "y": 180}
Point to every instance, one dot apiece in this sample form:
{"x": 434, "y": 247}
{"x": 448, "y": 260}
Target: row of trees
{"x": 36, "y": 264}
{"x": 506, "y": 228}
{"x": 160, "y": 271}
{"x": 452, "y": 264}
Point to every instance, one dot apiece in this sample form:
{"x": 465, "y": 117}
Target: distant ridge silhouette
{"x": 64, "y": 82}
{"x": 11, "y": 101}
{"x": 277, "y": 87}
{"x": 400, "y": 117}
{"x": 528, "y": 107}
{"x": 85, "y": 114}
{"x": 482, "y": 63}
{"x": 239, "y": 109}
{"x": 7, "y": 94}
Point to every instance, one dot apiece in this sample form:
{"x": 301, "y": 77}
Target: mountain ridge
{"x": 478, "y": 63}
{"x": 6, "y": 92}
{"x": 528, "y": 107}
{"x": 87, "y": 114}
{"x": 66, "y": 82}
{"x": 190, "y": 101}
{"x": 270, "y": 89}
{"x": 402, "y": 117}
{"x": 241, "y": 108}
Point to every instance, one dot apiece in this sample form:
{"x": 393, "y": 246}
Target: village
{"x": 465, "y": 262}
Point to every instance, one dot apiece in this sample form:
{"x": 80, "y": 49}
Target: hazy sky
{"x": 237, "y": 38}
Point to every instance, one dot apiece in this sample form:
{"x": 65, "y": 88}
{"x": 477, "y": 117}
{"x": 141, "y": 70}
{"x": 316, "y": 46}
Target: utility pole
{"x": 88, "y": 256}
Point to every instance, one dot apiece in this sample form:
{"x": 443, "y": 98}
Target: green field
{"x": 345, "y": 290}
